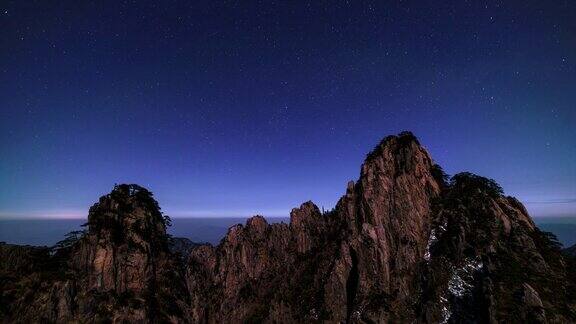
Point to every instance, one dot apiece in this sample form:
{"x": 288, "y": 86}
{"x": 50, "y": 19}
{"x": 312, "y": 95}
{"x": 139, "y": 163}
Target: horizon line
{"x": 50, "y": 218}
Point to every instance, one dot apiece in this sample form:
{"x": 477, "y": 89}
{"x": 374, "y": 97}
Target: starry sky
{"x": 242, "y": 107}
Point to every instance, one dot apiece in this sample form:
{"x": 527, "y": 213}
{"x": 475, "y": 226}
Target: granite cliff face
{"x": 341, "y": 266}
{"x": 404, "y": 244}
{"x": 120, "y": 269}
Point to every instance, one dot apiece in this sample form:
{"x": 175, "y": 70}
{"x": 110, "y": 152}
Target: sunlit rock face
{"x": 344, "y": 265}
{"x": 402, "y": 245}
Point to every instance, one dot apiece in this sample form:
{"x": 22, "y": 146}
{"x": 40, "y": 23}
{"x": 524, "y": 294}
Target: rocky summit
{"x": 405, "y": 244}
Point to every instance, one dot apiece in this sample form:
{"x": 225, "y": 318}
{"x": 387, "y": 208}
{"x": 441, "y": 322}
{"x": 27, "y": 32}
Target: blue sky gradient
{"x": 224, "y": 109}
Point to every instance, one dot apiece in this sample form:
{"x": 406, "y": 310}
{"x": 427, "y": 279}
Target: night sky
{"x": 237, "y": 108}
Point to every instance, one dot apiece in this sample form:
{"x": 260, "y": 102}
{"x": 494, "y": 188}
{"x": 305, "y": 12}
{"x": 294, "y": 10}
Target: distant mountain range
{"x": 406, "y": 243}
{"x": 571, "y": 251}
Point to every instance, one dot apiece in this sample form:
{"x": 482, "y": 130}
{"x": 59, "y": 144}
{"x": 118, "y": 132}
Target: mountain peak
{"x": 398, "y": 162}
{"x": 403, "y": 244}
{"x": 403, "y": 139}
{"x": 128, "y": 212}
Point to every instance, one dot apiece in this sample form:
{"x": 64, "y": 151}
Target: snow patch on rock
{"x": 445, "y": 307}
{"x": 314, "y": 314}
{"x": 460, "y": 284}
{"x": 462, "y": 280}
{"x": 433, "y": 238}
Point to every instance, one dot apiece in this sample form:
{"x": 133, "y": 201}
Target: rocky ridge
{"x": 404, "y": 244}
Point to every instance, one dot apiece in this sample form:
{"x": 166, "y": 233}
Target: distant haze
{"x": 211, "y": 230}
